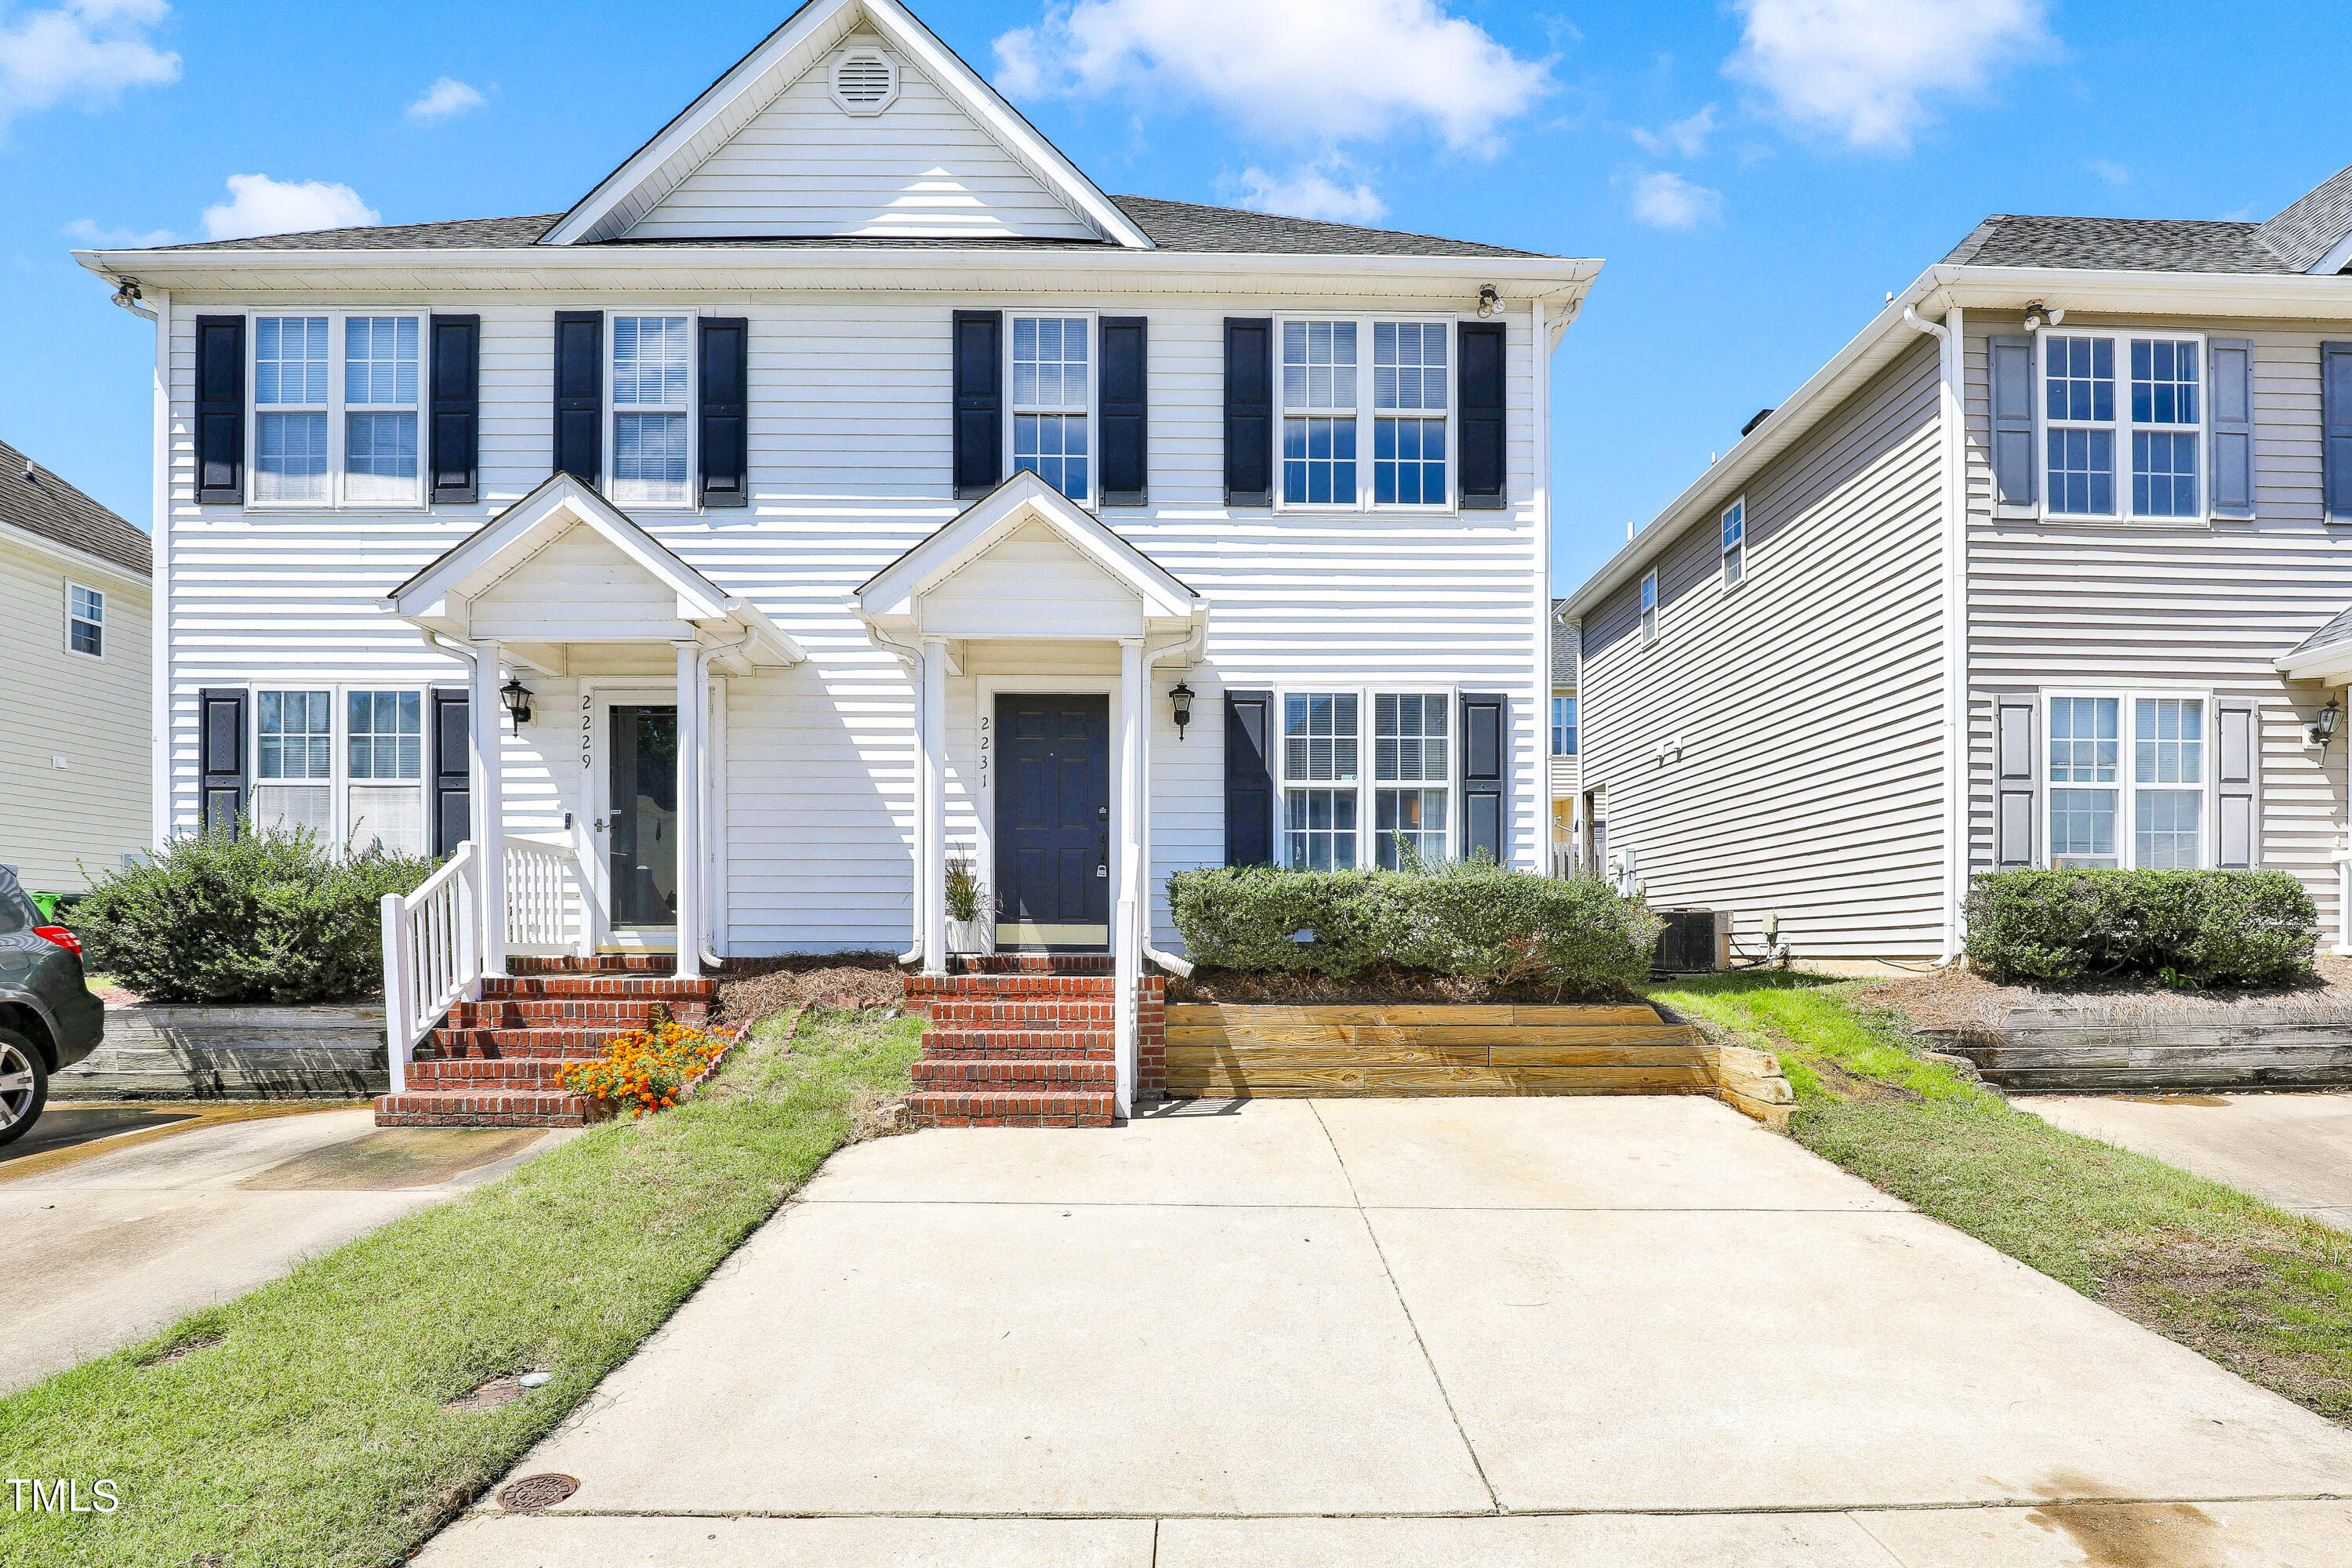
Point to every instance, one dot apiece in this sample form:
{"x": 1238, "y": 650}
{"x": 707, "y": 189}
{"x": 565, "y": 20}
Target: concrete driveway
{"x": 106, "y": 1248}
{"x": 2294, "y": 1150}
{"x": 1412, "y": 1332}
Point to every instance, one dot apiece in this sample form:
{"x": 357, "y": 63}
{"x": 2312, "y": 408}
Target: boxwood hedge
{"x": 2206, "y": 928}
{"x": 1477, "y": 920}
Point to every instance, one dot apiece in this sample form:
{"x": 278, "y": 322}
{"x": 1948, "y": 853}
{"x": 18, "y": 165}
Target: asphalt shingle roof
{"x": 2140, "y": 244}
{"x": 36, "y": 501}
{"x": 1173, "y": 226}
{"x": 2336, "y": 631}
{"x": 1564, "y": 644}
{"x": 2308, "y": 228}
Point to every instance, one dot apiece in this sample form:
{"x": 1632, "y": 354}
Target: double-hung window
{"x": 380, "y": 393}
{"x": 290, "y": 421}
{"x": 653, "y": 358}
{"x": 1321, "y": 737}
{"x": 362, "y": 787}
{"x": 383, "y": 741}
{"x": 1735, "y": 542}
{"x": 1347, "y": 444}
{"x": 1410, "y": 747}
{"x": 1319, "y": 414}
{"x": 2122, "y": 422}
{"x": 337, "y": 416}
{"x": 1649, "y": 607}
{"x": 2126, "y": 782}
{"x": 1563, "y": 726}
{"x": 1410, "y": 376}
{"x": 1052, "y": 392}
{"x": 85, "y": 620}
{"x": 295, "y": 761}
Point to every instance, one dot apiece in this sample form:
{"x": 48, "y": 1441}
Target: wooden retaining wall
{"x": 2061, "y": 1051}
{"x": 161, "y": 1052}
{"x": 1234, "y": 1051}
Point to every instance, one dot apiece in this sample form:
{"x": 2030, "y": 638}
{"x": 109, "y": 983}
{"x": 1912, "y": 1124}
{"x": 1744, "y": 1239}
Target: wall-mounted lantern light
{"x": 1180, "y": 706}
{"x": 2322, "y": 728}
{"x": 516, "y": 698}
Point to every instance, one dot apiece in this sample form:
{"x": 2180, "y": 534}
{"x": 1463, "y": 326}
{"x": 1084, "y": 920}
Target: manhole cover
{"x": 537, "y": 1492}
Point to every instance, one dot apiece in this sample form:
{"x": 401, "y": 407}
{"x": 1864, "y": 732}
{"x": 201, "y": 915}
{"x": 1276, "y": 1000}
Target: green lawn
{"x": 2265, "y": 1293}
{"x": 312, "y": 1434}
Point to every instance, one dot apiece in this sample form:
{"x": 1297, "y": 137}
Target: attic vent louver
{"x": 865, "y": 81}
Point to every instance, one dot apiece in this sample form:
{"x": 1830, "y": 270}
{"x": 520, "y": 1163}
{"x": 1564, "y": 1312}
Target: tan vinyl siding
{"x": 1805, "y": 702}
{"x": 57, "y": 823}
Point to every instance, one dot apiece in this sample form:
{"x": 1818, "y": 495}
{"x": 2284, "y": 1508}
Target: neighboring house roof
{"x": 36, "y": 501}
{"x": 1173, "y": 225}
{"x": 1566, "y": 642}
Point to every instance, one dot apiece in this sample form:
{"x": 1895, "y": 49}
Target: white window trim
{"x": 1091, "y": 499}
{"x": 99, "y": 594}
{"x": 1650, "y": 608}
{"x": 2122, "y": 426}
{"x": 2127, "y": 779}
{"x": 339, "y": 780}
{"x": 1730, "y": 578}
{"x": 1365, "y": 415}
{"x": 1578, "y": 724}
{"x": 693, "y": 314}
{"x": 1367, "y": 785}
{"x": 336, "y": 410}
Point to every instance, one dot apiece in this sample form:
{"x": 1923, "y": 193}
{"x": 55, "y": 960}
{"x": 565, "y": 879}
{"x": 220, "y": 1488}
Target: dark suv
{"x": 48, "y": 1019}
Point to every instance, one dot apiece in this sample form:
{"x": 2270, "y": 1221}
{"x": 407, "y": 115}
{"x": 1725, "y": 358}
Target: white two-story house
{"x": 844, "y": 486}
{"x": 2048, "y": 567}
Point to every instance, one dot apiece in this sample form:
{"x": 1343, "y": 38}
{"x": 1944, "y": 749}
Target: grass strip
{"x": 306, "y": 1426}
{"x": 2265, "y": 1293}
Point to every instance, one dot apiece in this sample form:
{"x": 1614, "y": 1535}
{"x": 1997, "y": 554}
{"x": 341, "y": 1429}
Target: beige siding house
{"x": 74, "y": 681}
{"x": 2047, "y": 567}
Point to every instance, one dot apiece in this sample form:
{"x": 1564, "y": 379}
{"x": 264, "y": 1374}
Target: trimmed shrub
{"x": 1477, "y": 920}
{"x": 266, "y": 916}
{"x": 2204, "y": 928}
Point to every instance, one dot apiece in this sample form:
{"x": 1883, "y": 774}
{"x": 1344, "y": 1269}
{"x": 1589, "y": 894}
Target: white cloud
{"x": 1666, "y": 200}
{"x": 1861, "y": 70}
{"x": 1313, "y": 71}
{"x": 97, "y": 238}
{"x": 83, "y": 51}
{"x": 2107, "y": 169}
{"x": 1311, "y": 192}
{"x": 259, "y": 204}
{"x": 1687, "y": 137}
{"x": 445, "y": 100}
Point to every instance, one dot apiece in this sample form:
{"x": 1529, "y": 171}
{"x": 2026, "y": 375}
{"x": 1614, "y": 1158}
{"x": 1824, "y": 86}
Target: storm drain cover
{"x": 537, "y": 1492}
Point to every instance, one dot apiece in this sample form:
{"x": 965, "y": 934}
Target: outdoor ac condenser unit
{"x": 1690, "y": 944}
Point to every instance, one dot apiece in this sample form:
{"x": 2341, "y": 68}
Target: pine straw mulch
{"x": 1962, "y": 1000}
{"x": 1372, "y": 986}
{"x": 751, "y": 989}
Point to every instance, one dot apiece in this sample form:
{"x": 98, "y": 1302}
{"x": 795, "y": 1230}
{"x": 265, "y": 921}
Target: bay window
{"x": 653, "y": 358}
{"x": 1053, "y": 395}
{"x": 2118, "y": 799}
{"x": 324, "y": 437}
{"x": 1325, "y": 441}
{"x": 2091, "y": 425}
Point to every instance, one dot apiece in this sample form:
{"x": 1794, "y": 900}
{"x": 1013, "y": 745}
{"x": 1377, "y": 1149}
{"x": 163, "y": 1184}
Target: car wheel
{"x": 24, "y": 1086}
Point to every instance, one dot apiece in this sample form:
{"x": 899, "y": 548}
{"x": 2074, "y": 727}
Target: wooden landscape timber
{"x": 1233, "y": 1051}
{"x": 2058, "y": 1050}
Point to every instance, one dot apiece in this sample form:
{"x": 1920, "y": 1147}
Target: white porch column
{"x": 486, "y": 786}
{"x": 931, "y": 792}
{"x": 1126, "y": 928}
{"x": 691, "y": 720}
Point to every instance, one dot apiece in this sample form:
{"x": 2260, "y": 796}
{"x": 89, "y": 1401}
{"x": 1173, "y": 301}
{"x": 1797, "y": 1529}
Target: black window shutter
{"x": 220, "y": 410}
{"x": 725, "y": 368}
{"x": 1485, "y": 732}
{"x": 2335, "y": 430}
{"x": 1249, "y": 782}
{"x": 1249, "y": 412}
{"x": 1125, "y": 398}
{"x": 978, "y": 402}
{"x": 220, "y": 746}
{"x": 453, "y": 816}
{"x": 1484, "y": 455}
{"x": 456, "y": 408}
{"x": 580, "y": 394}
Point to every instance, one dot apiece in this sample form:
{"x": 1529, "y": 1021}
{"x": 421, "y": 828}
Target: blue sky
{"x": 1756, "y": 173}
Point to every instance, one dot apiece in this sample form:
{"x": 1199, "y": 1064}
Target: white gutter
{"x": 1951, "y": 408}
{"x": 158, "y": 592}
{"x": 1540, "y": 348}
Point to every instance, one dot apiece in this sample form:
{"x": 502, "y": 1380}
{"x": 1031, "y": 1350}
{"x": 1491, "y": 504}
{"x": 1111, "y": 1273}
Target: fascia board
{"x": 567, "y": 502}
{"x": 2332, "y": 662}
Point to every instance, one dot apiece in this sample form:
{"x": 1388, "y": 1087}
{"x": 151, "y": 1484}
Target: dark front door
{"x": 643, "y": 826}
{"x": 1053, "y": 821}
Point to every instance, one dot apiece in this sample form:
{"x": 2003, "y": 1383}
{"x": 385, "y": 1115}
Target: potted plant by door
{"x": 967, "y": 932}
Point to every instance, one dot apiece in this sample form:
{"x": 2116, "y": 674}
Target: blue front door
{"x": 1053, "y": 821}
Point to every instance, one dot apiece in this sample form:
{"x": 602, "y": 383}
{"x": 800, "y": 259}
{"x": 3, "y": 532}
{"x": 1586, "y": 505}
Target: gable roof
{"x": 2140, "y": 244}
{"x": 2308, "y": 229}
{"x": 35, "y": 500}
{"x": 1186, "y": 226}
{"x": 783, "y": 58}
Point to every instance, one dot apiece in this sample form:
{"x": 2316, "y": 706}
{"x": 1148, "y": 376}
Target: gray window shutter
{"x": 979, "y": 376}
{"x": 1485, "y": 748}
{"x": 453, "y": 817}
{"x": 220, "y": 750}
{"x": 580, "y": 395}
{"x": 2011, "y": 367}
{"x": 1249, "y": 412}
{"x": 2237, "y": 754}
{"x": 1249, "y": 779}
{"x": 2335, "y": 430}
{"x": 220, "y": 410}
{"x": 2016, "y": 775}
{"x": 2232, "y": 410}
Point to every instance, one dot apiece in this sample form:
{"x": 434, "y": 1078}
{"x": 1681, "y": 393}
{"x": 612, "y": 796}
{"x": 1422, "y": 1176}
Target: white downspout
{"x": 159, "y": 590}
{"x": 1952, "y": 416}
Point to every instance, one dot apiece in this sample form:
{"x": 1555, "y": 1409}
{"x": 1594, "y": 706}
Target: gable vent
{"x": 864, "y": 82}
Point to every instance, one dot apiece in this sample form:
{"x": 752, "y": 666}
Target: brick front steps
{"x": 494, "y": 1062}
{"x": 1017, "y": 1040}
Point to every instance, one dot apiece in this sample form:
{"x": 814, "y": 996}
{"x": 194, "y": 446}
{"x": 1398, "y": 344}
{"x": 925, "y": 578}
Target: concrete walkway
{"x": 2292, "y": 1150}
{"x": 1413, "y": 1333}
{"x": 110, "y": 1247}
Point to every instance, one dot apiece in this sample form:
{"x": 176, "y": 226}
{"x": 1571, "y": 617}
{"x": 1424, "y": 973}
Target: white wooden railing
{"x": 547, "y": 899}
{"x": 432, "y": 955}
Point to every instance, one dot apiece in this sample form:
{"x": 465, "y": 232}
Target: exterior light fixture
{"x": 2036, "y": 313}
{"x": 515, "y": 697}
{"x": 1180, "y": 706}
{"x": 2322, "y": 728}
{"x": 1490, "y": 303}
